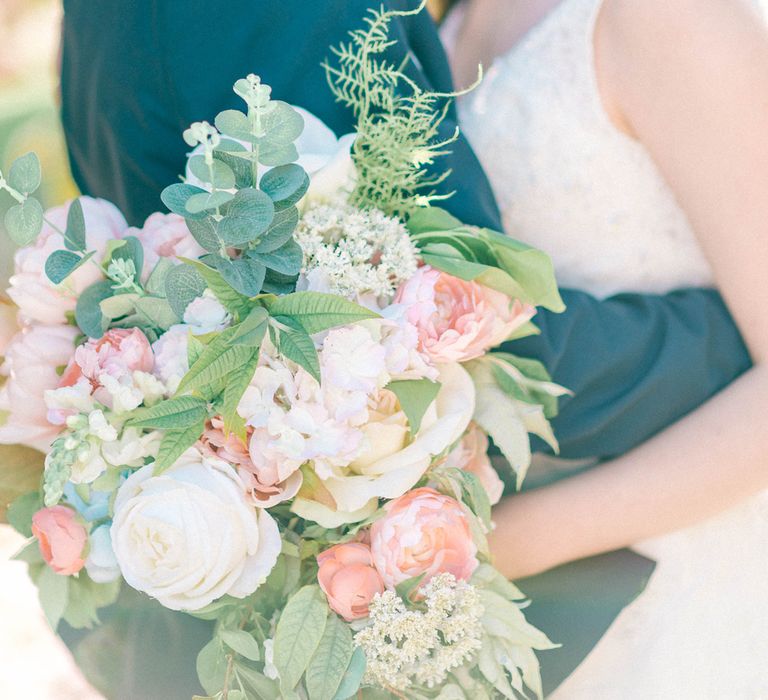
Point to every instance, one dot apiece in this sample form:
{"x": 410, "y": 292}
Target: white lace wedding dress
{"x": 569, "y": 182}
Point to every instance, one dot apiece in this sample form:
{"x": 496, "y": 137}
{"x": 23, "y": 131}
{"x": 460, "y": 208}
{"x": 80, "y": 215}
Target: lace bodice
{"x": 566, "y": 179}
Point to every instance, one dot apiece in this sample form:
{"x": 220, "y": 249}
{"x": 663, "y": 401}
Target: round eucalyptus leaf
{"x": 286, "y": 184}
{"x": 206, "y": 201}
{"x": 286, "y": 260}
{"x": 88, "y": 313}
{"x": 248, "y": 215}
{"x": 24, "y": 221}
{"x": 238, "y": 165}
{"x": 245, "y": 276}
{"x": 280, "y": 230}
{"x": 218, "y": 174}
{"x": 60, "y": 265}
{"x": 283, "y": 124}
{"x": 234, "y": 123}
{"x": 205, "y": 232}
{"x": 176, "y": 196}
{"x": 272, "y": 155}
{"x": 24, "y": 175}
{"x": 183, "y": 284}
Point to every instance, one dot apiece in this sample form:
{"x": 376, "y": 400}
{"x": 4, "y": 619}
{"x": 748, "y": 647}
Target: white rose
{"x": 101, "y": 563}
{"x": 390, "y": 464}
{"x": 229, "y": 550}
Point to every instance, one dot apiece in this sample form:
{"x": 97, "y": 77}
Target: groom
{"x": 135, "y": 73}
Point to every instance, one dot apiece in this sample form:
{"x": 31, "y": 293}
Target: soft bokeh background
{"x": 34, "y": 664}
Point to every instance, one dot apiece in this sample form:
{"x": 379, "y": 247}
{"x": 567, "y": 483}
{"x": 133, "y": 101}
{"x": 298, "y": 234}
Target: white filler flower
{"x": 189, "y": 536}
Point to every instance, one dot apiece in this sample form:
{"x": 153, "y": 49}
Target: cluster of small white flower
{"x": 354, "y": 253}
{"x": 404, "y": 646}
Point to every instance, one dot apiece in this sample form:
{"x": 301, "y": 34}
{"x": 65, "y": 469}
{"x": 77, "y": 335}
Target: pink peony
{"x": 164, "y": 236}
{"x": 471, "y": 454}
{"x": 31, "y": 364}
{"x": 61, "y": 538}
{"x": 458, "y": 320}
{"x": 36, "y": 296}
{"x": 423, "y": 532}
{"x": 264, "y": 485}
{"x": 8, "y": 324}
{"x": 348, "y": 578}
{"x": 119, "y": 352}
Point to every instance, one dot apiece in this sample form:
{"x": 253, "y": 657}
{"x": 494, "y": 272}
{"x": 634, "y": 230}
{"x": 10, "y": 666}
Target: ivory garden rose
{"x": 230, "y": 553}
{"x": 458, "y": 320}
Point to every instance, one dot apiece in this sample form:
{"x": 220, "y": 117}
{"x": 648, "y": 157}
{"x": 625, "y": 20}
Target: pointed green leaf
{"x": 20, "y": 512}
{"x": 212, "y": 667}
{"x": 21, "y": 469}
{"x": 353, "y": 676}
{"x": 299, "y": 631}
{"x": 24, "y": 174}
{"x": 24, "y": 221}
{"x": 296, "y": 345}
{"x": 157, "y": 312}
{"x": 243, "y": 643}
{"x": 175, "y": 443}
{"x": 178, "y": 412}
{"x": 317, "y": 312}
{"x": 330, "y": 661}
{"x": 53, "y": 590}
{"x": 415, "y": 397}
{"x": 216, "y": 362}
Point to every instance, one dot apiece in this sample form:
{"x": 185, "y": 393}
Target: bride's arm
{"x": 689, "y": 78}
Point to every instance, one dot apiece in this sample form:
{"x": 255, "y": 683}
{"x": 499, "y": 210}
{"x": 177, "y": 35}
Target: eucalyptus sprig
{"x": 24, "y": 219}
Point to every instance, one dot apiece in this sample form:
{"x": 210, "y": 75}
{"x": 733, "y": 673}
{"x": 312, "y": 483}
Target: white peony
{"x": 391, "y": 463}
{"x": 206, "y": 314}
{"x": 189, "y": 536}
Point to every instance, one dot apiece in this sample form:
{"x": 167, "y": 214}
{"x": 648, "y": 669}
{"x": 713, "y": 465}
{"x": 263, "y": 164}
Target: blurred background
{"x": 34, "y": 664}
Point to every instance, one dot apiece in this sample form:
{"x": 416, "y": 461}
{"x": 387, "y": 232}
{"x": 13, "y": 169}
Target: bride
{"x": 628, "y": 139}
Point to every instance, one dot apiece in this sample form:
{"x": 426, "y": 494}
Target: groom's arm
{"x": 635, "y": 362}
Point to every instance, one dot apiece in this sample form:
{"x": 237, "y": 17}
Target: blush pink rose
{"x": 119, "y": 352}
{"x": 471, "y": 454}
{"x": 458, "y": 320}
{"x": 165, "y": 236}
{"x": 264, "y": 485}
{"x": 423, "y": 532}
{"x": 31, "y": 362}
{"x": 61, "y": 538}
{"x": 348, "y": 578}
{"x": 38, "y": 299}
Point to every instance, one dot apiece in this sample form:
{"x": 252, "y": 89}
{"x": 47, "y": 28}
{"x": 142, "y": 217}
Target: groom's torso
{"x": 135, "y": 74}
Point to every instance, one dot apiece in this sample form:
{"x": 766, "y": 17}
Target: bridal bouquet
{"x": 270, "y": 408}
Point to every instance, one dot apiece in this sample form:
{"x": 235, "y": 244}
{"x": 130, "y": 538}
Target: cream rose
{"x": 390, "y": 462}
{"x": 189, "y": 535}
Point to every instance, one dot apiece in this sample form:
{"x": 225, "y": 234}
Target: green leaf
{"x": 74, "y": 234}
{"x": 286, "y": 260}
{"x": 233, "y": 392}
{"x": 286, "y": 184}
{"x": 245, "y": 276}
{"x": 175, "y": 443}
{"x": 429, "y": 219}
{"x": 212, "y": 667}
{"x": 273, "y": 154}
{"x": 20, "y": 512}
{"x": 330, "y": 661}
{"x": 85, "y": 598}
{"x": 176, "y": 196}
{"x": 237, "y": 304}
{"x": 279, "y": 231}
{"x": 299, "y": 631}
{"x": 60, "y": 264}
{"x": 219, "y": 175}
{"x": 21, "y": 470}
{"x": 251, "y": 331}
{"x": 88, "y": 313}
{"x": 53, "y": 590}
{"x": 283, "y": 124}
{"x": 178, "y": 412}
{"x": 317, "y": 312}
{"x": 234, "y": 123}
{"x": 242, "y": 642}
{"x": 118, "y": 306}
{"x": 24, "y": 221}
{"x": 296, "y": 345}
{"x": 156, "y": 281}
{"x": 157, "y": 311}
{"x": 131, "y": 249}
{"x": 474, "y": 496}
{"x": 353, "y": 676}
{"x": 217, "y": 361}
{"x": 183, "y": 284}
{"x": 531, "y": 268}
{"x": 527, "y": 380}
{"x": 257, "y": 683}
{"x": 408, "y": 587}
{"x": 415, "y": 397}
{"x": 247, "y": 217}
{"x": 226, "y": 152}
{"x": 24, "y": 174}
{"x": 206, "y": 233}
{"x": 206, "y": 201}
